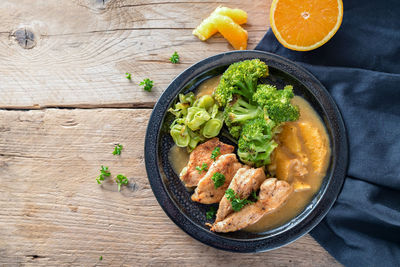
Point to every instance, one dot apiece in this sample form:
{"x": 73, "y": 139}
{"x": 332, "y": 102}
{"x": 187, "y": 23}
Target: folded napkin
{"x": 360, "y": 67}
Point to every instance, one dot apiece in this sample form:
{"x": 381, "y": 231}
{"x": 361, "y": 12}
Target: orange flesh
{"x": 232, "y": 32}
{"x": 307, "y": 23}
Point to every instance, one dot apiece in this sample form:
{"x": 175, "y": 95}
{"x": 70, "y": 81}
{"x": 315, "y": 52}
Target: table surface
{"x": 65, "y": 103}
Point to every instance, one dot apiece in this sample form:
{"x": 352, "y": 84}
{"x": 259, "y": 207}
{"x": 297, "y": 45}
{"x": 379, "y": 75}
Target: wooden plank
{"x": 52, "y": 211}
{"x": 76, "y": 53}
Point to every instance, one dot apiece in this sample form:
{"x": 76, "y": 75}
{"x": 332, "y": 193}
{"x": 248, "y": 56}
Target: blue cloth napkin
{"x": 360, "y": 67}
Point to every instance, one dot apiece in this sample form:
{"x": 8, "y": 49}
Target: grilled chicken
{"x": 202, "y": 154}
{"x": 243, "y": 183}
{"x": 206, "y": 192}
{"x": 273, "y": 193}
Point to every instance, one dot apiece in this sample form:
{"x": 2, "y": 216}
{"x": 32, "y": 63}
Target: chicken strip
{"x": 273, "y": 193}
{"x": 202, "y": 154}
{"x": 206, "y": 192}
{"x": 243, "y": 183}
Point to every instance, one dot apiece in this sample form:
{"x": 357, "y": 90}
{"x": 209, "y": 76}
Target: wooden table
{"x": 65, "y": 102}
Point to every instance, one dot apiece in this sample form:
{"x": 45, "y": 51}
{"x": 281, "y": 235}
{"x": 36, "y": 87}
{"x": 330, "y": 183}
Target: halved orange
{"x": 304, "y": 25}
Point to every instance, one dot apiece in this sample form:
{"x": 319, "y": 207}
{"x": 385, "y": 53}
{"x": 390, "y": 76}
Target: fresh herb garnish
{"x": 101, "y": 258}
{"x": 215, "y": 153}
{"x": 203, "y": 167}
{"x": 174, "y": 58}
{"x": 211, "y": 213}
{"x": 218, "y": 179}
{"x": 254, "y": 195}
{"x": 104, "y": 172}
{"x": 147, "y": 84}
{"x": 236, "y": 202}
{"x": 121, "y": 179}
{"x": 117, "y": 149}
{"x": 128, "y": 75}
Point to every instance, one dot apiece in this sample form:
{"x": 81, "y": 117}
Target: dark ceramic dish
{"x": 174, "y": 198}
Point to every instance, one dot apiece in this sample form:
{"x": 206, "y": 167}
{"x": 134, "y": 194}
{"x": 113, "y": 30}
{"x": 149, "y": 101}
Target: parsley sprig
{"x": 218, "y": 179}
{"x": 147, "y": 84}
{"x": 211, "y": 213}
{"x": 236, "y": 202}
{"x": 174, "y": 58}
{"x": 204, "y": 167}
{"x": 117, "y": 149}
{"x": 104, "y": 172}
{"x": 254, "y": 195}
{"x": 128, "y": 75}
{"x": 121, "y": 180}
{"x": 215, "y": 153}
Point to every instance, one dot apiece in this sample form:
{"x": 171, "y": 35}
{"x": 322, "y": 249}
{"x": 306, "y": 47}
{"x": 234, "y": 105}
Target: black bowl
{"x": 174, "y": 198}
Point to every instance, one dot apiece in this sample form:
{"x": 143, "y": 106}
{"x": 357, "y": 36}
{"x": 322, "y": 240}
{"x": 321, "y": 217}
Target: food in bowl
{"x": 282, "y": 148}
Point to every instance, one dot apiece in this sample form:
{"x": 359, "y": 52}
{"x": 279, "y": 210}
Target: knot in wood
{"x": 25, "y": 38}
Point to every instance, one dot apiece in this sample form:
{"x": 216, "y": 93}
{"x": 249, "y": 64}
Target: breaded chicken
{"x": 243, "y": 183}
{"x": 206, "y": 192}
{"x": 273, "y": 193}
{"x": 202, "y": 154}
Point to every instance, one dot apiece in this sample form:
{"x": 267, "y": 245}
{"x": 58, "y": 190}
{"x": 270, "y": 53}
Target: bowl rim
{"x": 323, "y": 205}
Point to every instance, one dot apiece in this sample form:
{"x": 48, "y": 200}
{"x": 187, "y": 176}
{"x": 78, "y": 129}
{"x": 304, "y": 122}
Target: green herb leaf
{"x": 104, "y": 172}
{"x": 218, "y": 179}
{"x": 174, "y": 58}
{"x": 211, "y": 213}
{"x": 128, "y": 75}
{"x": 215, "y": 153}
{"x": 254, "y": 195}
{"x": 203, "y": 167}
{"x": 121, "y": 180}
{"x": 236, "y": 202}
{"x": 117, "y": 149}
{"x": 101, "y": 258}
{"x": 147, "y": 84}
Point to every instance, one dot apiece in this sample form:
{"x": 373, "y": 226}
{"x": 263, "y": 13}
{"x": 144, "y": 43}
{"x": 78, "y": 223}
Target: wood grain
{"x": 73, "y": 54}
{"x": 52, "y": 211}
{"x": 80, "y": 50}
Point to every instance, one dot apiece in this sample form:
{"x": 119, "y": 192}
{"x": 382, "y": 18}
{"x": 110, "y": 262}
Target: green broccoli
{"x": 240, "y": 78}
{"x": 277, "y": 102}
{"x": 239, "y": 112}
{"x": 256, "y": 144}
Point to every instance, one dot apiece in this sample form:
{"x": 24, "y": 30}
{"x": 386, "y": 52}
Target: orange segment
{"x": 206, "y": 29}
{"x": 307, "y": 24}
{"x": 237, "y": 15}
{"x": 231, "y": 31}
{"x": 209, "y": 26}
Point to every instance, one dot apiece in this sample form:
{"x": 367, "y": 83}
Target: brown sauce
{"x": 178, "y": 158}
{"x": 208, "y": 86}
{"x": 301, "y": 159}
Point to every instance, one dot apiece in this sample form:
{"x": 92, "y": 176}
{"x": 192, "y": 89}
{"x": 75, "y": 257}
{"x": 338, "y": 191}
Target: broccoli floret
{"x": 277, "y": 102}
{"x": 239, "y": 112}
{"x": 256, "y": 144}
{"x": 240, "y": 78}
{"x": 235, "y": 131}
